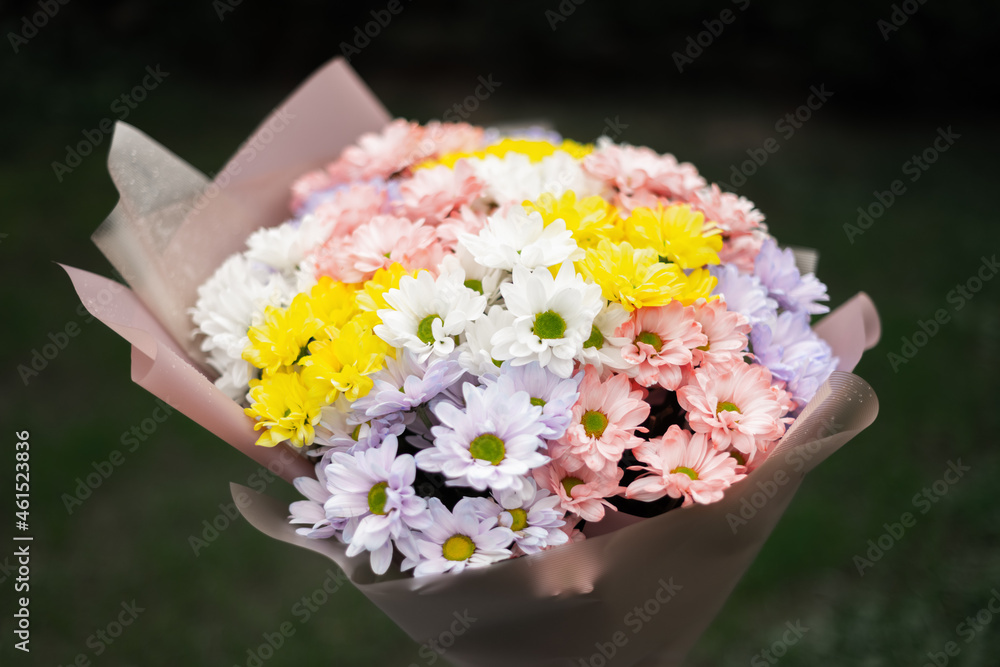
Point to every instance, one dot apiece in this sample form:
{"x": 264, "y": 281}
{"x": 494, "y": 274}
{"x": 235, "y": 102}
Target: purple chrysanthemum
{"x": 744, "y": 293}
{"x": 777, "y": 271}
{"x": 555, "y": 395}
{"x": 456, "y": 540}
{"x": 793, "y": 353}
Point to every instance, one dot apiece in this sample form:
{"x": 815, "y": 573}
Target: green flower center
{"x": 425, "y": 330}
{"x": 651, "y": 339}
{"x": 740, "y": 459}
{"x": 549, "y": 325}
{"x": 687, "y": 471}
{"x": 538, "y": 402}
{"x": 596, "y": 337}
{"x": 377, "y": 498}
{"x": 518, "y": 519}
{"x": 569, "y": 482}
{"x": 594, "y": 423}
{"x": 726, "y": 405}
{"x": 475, "y": 285}
{"x": 458, "y": 547}
{"x": 704, "y": 348}
{"x": 496, "y": 362}
{"x": 356, "y": 433}
{"x": 487, "y": 447}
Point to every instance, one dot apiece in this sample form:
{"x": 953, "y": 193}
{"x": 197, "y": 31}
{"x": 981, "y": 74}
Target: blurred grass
{"x": 129, "y": 540}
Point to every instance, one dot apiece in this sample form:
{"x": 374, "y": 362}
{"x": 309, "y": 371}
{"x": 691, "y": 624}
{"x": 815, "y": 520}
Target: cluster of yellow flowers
{"x": 320, "y": 347}
{"x": 534, "y": 149}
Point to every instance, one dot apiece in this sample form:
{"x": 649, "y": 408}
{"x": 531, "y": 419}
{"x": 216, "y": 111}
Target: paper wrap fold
{"x": 644, "y": 592}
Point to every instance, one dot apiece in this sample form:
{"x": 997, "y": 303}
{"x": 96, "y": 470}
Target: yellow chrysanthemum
{"x": 283, "y": 336}
{"x": 371, "y": 297}
{"x": 534, "y": 149}
{"x": 590, "y": 219}
{"x": 699, "y": 284}
{"x": 677, "y": 234}
{"x": 333, "y": 303}
{"x": 283, "y": 406}
{"x": 342, "y": 365}
{"x": 632, "y": 276}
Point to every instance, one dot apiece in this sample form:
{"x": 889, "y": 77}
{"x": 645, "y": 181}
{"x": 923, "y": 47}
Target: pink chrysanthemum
{"x": 603, "y": 424}
{"x": 384, "y": 240}
{"x": 582, "y": 491}
{"x": 726, "y": 332}
{"x": 434, "y": 193}
{"x": 461, "y": 221}
{"x": 350, "y": 208}
{"x": 734, "y": 405}
{"x": 661, "y": 341}
{"x": 379, "y": 155}
{"x": 312, "y": 182}
{"x": 682, "y": 465}
{"x": 741, "y": 250}
{"x": 732, "y": 213}
{"x": 444, "y": 138}
{"x": 631, "y": 168}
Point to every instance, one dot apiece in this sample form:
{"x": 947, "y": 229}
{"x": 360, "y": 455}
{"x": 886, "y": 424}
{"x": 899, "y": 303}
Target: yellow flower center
{"x": 377, "y": 498}
{"x": 651, "y": 339}
{"x": 425, "y": 330}
{"x": 487, "y": 447}
{"x": 569, "y": 482}
{"x": 458, "y": 547}
{"x": 518, "y": 519}
{"x": 549, "y": 325}
{"x": 594, "y": 423}
{"x": 687, "y": 471}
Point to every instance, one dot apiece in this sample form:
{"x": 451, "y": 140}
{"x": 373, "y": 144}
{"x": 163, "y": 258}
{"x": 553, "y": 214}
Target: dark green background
{"x": 129, "y": 540}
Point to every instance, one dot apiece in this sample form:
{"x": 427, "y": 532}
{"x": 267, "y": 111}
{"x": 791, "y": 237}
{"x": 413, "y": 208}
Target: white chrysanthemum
{"x": 514, "y": 178}
{"x": 428, "y": 314}
{"x": 519, "y": 238}
{"x": 553, "y": 317}
{"x": 227, "y": 306}
{"x": 561, "y": 172}
{"x": 285, "y": 246}
{"x": 603, "y": 349}
{"x": 476, "y": 353}
{"x": 472, "y": 274}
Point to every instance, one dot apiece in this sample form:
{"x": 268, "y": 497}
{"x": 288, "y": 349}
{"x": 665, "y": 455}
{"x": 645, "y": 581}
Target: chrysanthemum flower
{"x": 553, "y": 317}
{"x": 350, "y": 206}
{"x": 732, "y": 213}
{"x": 602, "y": 349}
{"x": 534, "y": 516}
{"x": 519, "y": 238}
{"x": 405, "y": 383}
{"x": 456, "y": 540}
{"x": 432, "y": 194}
{"x": 371, "y": 297}
{"x": 581, "y": 491}
{"x": 794, "y": 354}
{"x": 311, "y": 512}
{"x": 589, "y": 219}
{"x": 682, "y": 465}
{"x": 633, "y": 277}
{"x": 377, "y": 244}
{"x": 631, "y": 168}
{"x": 777, "y": 271}
{"x": 555, "y": 395}
{"x": 604, "y": 423}
{"x": 425, "y": 315}
{"x": 376, "y": 487}
{"x": 380, "y": 154}
{"x": 744, "y": 294}
{"x": 344, "y": 363}
{"x": 475, "y": 354}
{"x": 333, "y": 303}
{"x": 282, "y": 337}
{"x": 492, "y": 443}
{"x": 726, "y": 331}
{"x": 734, "y": 405}
{"x": 284, "y": 406}
{"x": 741, "y": 250}
{"x": 660, "y": 343}
{"x": 676, "y": 233}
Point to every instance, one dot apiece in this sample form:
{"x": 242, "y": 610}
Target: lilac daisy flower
{"x": 406, "y": 383}
{"x": 744, "y": 293}
{"x": 534, "y": 516}
{"x": 794, "y": 354}
{"x": 376, "y": 487}
{"x": 555, "y": 395}
{"x": 492, "y": 443}
{"x": 347, "y": 430}
{"x": 777, "y": 271}
{"x": 311, "y": 512}
{"x": 456, "y": 540}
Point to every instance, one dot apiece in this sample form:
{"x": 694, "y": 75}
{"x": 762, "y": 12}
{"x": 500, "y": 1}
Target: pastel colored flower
{"x": 732, "y": 213}
{"x": 744, "y": 293}
{"x": 676, "y": 233}
{"x": 777, "y": 271}
{"x": 680, "y": 464}
{"x": 604, "y": 422}
{"x": 553, "y": 318}
{"x": 741, "y": 250}
{"x": 794, "y": 354}
{"x": 380, "y": 154}
{"x": 734, "y": 405}
{"x": 311, "y": 512}
{"x": 475, "y": 354}
{"x": 376, "y": 486}
{"x": 425, "y": 314}
{"x": 582, "y": 491}
{"x": 603, "y": 349}
{"x": 349, "y": 206}
{"x": 660, "y": 343}
{"x": 519, "y": 238}
{"x": 445, "y": 138}
{"x": 456, "y": 540}
{"x": 432, "y": 194}
{"x": 555, "y": 395}
{"x": 406, "y": 383}
{"x": 634, "y": 277}
{"x": 534, "y": 516}
{"x": 306, "y": 185}
{"x": 377, "y": 244}
{"x": 491, "y": 443}
{"x": 726, "y": 333}
{"x": 589, "y": 219}
{"x": 631, "y": 168}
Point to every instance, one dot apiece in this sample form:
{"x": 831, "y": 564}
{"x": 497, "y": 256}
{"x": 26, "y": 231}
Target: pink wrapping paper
{"x": 587, "y": 602}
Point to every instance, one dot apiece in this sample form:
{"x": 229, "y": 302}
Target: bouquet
{"x": 555, "y": 369}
